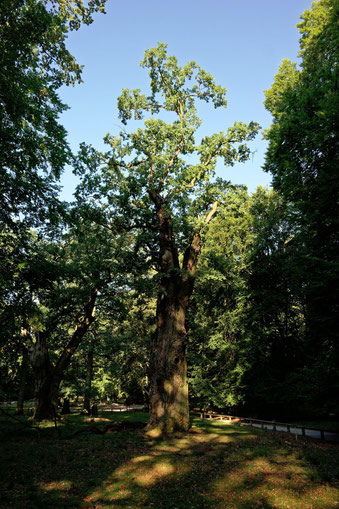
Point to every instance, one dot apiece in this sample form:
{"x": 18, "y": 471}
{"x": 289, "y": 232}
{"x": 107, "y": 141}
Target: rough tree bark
{"x": 47, "y": 377}
{"x": 169, "y": 409}
{"x": 45, "y": 391}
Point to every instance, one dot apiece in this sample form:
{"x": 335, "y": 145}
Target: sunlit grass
{"x": 216, "y": 465}
{"x": 56, "y": 486}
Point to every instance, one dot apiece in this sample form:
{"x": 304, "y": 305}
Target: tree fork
{"x": 169, "y": 407}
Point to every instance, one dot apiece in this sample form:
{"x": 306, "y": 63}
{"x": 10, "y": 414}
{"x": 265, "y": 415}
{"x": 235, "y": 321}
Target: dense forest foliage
{"x": 162, "y": 283}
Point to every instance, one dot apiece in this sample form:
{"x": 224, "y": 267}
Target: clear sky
{"x": 240, "y": 42}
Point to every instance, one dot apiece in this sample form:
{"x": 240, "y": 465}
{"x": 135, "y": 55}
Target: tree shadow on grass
{"x": 214, "y": 466}
{"x": 225, "y": 468}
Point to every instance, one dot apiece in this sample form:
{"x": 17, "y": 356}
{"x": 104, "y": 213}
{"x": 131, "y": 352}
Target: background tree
{"x": 303, "y": 159}
{"x": 150, "y": 178}
{"x": 273, "y": 344}
{"x": 249, "y": 347}
{"x": 116, "y": 352}
{"x": 89, "y": 377}
{"x": 35, "y": 63}
{"x": 216, "y": 318}
{"x": 65, "y": 280}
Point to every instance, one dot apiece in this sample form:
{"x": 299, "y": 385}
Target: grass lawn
{"x": 216, "y": 465}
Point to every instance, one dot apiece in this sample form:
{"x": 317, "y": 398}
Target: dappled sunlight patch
{"x": 139, "y": 459}
{"x": 166, "y": 448}
{"x": 220, "y": 466}
{"x": 133, "y": 479}
{"x": 162, "y": 468}
{"x": 243, "y": 434}
{"x": 182, "y": 443}
{"x": 281, "y": 482}
{"x": 112, "y": 489}
{"x": 96, "y": 419}
{"x": 199, "y": 439}
{"x": 195, "y": 427}
{"x": 145, "y": 472}
{"x": 210, "y": 436}
{"x": 323, "y": 497}
{"x": 56, "y": 486}
{"x": 108, "y": 495}
{"x": 154, "y": 432}
{"x": 225, "y": 439}
{"x": 223, "y": 428}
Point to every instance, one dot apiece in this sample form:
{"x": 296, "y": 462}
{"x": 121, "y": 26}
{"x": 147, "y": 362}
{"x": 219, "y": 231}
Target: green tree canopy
{"x": 34, "y": 63}
{"x": 303, "y": 159}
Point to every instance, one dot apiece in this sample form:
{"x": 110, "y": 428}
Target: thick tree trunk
{"x": 46, "y": 392}
{"x": 89, "y": 377}
{"x": 169, "y": 411}
{"x": 45, "y": 389}
{"x": 46, "y": 396}
{"x": 22, "y": 387}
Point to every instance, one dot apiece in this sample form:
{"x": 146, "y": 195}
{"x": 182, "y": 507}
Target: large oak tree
{"x": 161, "y": 183}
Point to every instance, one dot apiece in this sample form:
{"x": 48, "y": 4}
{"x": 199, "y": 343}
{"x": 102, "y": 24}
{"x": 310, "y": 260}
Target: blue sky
{"x": 240, "y": 42}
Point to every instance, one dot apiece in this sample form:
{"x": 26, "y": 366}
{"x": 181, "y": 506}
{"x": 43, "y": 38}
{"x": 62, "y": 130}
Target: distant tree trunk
{"x": 169, "y": 410}
{"x": 66, "y": 409}
{"x": 89, "y": 377}
{"x": 94, "y": 410}
{"x": 22, "y": 387}
{"x": 45, "y": 386}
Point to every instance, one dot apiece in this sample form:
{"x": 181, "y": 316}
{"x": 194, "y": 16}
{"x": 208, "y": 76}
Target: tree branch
{"x": 211, "y": 212}
{"x": 170, "y": 165}
{"x": 78, "y": 334}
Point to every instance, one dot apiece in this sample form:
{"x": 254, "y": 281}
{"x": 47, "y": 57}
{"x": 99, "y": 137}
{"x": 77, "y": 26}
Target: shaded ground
{"x": 216, "y": 465}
